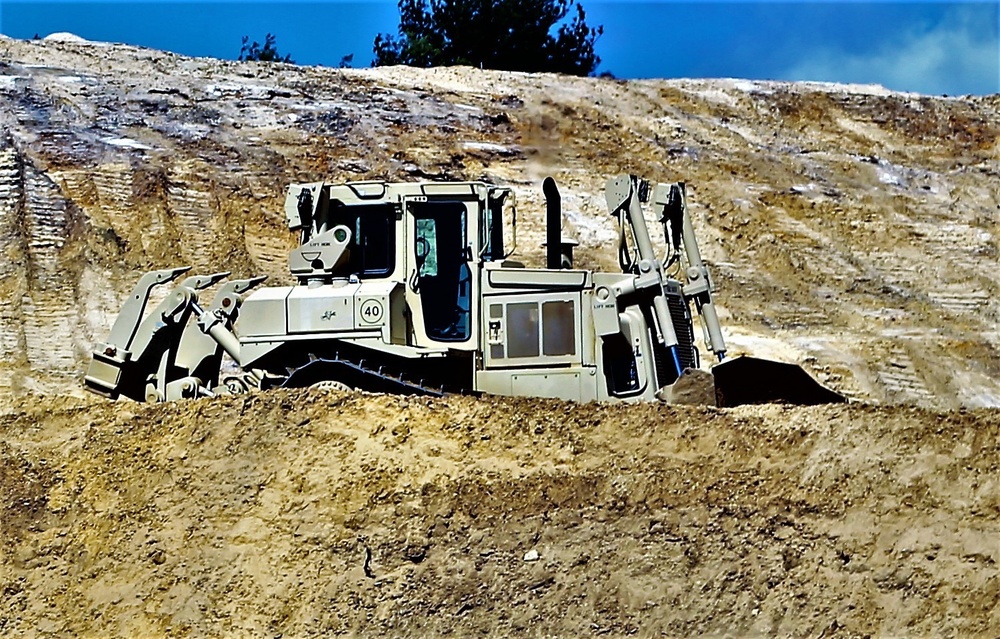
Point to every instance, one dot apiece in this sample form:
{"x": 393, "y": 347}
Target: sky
{"x": 922, "y": 46}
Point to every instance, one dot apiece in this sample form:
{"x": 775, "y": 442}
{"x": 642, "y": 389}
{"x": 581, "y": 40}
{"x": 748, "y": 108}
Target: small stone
{"x": 531, "y": 555}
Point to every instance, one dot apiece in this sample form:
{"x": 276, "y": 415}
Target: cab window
{"x": 373, "y": 238}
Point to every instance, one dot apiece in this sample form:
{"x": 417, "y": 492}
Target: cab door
{"x": 440, "y": 284}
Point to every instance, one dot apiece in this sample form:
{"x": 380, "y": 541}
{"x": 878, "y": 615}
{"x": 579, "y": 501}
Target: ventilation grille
{"x": 680, "y": 314}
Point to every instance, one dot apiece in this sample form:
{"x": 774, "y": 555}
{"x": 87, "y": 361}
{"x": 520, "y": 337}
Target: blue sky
{"x": 922, "y": 46}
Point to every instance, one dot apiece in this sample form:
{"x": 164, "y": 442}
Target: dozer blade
{"x": 751, "y": 380}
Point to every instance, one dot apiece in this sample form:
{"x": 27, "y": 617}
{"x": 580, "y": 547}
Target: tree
{"x": 269, "y": 52}
{"x": 513, "y": 35}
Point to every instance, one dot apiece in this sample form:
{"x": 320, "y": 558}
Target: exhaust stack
{"x": 553, "y": 225}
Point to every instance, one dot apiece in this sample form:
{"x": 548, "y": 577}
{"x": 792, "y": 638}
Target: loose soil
{"x": 322, "y": 512}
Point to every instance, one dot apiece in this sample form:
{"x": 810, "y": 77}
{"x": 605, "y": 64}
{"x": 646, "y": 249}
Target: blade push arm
{"x": 623, "y": 196}
{"x": 670, "y": 201}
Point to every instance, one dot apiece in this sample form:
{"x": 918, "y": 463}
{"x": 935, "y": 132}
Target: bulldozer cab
{"x": 431, "y": 239}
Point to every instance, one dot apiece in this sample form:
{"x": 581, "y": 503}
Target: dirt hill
{"x": 851, "y": 230}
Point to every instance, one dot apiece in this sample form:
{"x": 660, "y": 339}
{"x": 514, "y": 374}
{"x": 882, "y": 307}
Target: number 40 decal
{"x": 371, "y": 311}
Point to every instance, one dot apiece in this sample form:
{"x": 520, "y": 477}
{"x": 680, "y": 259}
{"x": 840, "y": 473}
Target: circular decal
{"x": 371, "y": 311}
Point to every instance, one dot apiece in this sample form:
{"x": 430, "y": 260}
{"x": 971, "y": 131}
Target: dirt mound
{"x": 306, "y": 513}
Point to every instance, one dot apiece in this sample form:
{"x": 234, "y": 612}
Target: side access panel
{"x": 536, "y": 329}
{"x": 575, "y": 384}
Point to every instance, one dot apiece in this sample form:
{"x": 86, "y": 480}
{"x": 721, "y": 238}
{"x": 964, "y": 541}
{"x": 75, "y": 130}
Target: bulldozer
{"x": 410, "y": 288}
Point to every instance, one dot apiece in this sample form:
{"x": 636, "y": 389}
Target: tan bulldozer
{"x": 409, "y": 288}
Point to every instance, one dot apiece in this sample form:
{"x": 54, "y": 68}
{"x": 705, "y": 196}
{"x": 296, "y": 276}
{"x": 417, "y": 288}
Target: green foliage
{"x": 513, "y": 35}
{"x": 267, "y": 53}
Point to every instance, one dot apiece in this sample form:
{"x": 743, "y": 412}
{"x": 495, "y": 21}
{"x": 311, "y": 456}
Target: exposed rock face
{"x": 849, "y": 228}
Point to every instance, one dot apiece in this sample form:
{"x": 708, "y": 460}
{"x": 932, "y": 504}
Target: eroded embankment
{"x": 300, "y": 513}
